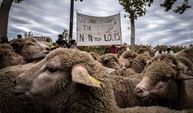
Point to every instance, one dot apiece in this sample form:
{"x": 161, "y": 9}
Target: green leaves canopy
{"x": 168, "y": 4}
{"x": 135, "y": 8}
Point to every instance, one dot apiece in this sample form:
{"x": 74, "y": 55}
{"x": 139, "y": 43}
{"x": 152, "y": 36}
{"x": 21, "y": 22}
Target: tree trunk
{"x": 132, "y": 33}
{"x": 4, "y": 16}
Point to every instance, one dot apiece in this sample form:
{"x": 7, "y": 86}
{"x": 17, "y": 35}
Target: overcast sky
{"x": 50, "y": 17}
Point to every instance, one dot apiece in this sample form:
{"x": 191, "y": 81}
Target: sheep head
{"x": 110, "y": 60}
{"x": 9, "y": 57}
{"x": 127, "y": 57}
{"x": 30, "y": 48}
{"x": 139, "y": 63}
{"x": 161, "y": 82}
{"x": 57, "y": 72}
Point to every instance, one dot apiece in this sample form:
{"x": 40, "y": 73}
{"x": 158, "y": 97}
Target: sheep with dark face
{"x": 71, "y": 81}
{"x": 30, "y": 48}
{"x": 165, "y": 82}
{"x": 9, "y": 57}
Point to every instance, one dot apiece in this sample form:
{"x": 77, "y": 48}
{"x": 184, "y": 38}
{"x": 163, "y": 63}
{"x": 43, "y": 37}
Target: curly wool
{"x": 108, "y": 57}
{"x": 9, "y": 57}
{"x": 95, "y": 55}
{"x": 9, "y": 103}
{"x": 187, "y": 53}
{"x": 129, "y": 54}
{"x": 78, "y": 98}
{"x": 71, "y": 57}
{"x": 139, "y": 63}
{"x": 83, "y": 98}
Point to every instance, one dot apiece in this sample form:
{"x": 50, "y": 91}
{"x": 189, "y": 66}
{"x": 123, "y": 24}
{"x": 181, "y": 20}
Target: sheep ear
{"x": 81, "y": 75}
{"x": 183, "y": 76}
{"x": 105, "y": 60}
{"x": 108, "y": 70}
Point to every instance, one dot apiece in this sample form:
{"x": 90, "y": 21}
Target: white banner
{"x": 98, "y": 30}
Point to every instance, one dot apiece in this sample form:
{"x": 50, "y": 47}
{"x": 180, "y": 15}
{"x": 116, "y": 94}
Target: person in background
{"x": 19, "y": 36}
{"x": 169, "y": 51}
{"x": 60, "y": 42}
{"x": 112, "y": 49}
{"x": 158, "y": 52}
{"x": 73, "y": 44}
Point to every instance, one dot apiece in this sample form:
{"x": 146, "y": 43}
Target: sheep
{"x": 30, "y": 48}
{"x": 123, "y": 88}
{"x": 9, "y": 57}
{"x": 71, "y": 81}
{"x": 127, "y": 57}
{"x": 124, "y": 72}
{"x": 188, "y": 53}
{"x": 185, "y": 57}
{"x": 110, "y": 60}
{"x": 164, "y": 81}
{"x": 95, "y": 55}
{"x": 9, "y": 103}
{"x": 123, "y": 95}
{"x": 139, "y": 63}
{"x": 122, "y": 49}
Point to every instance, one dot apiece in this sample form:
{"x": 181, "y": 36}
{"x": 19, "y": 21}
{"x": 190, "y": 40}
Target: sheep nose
{"x": 18, "y": 90}
{"x": 22, "y": 85}
{"x": 138, "y": 91}
{"x": 141, "y": 92}
{"x": 46, "y": 51}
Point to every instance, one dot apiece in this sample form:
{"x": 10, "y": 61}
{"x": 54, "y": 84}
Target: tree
{"x": 28, "y": 34}
{"x": 5, "y": 6}
{"x": 168, "y": 4}
{"x": 135, "y": 9}
{"x": 65, "y": 34}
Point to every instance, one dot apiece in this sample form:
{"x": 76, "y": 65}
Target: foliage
{"x": 168, "y": 4}
{"x": 3, "y": 4}
{"x": 18, "y": 1}
{"x": 28, "y": 34}
{"x": 65, "y": 34}
{"x": 135, "y": 8}
{"x": 98, "y": 49}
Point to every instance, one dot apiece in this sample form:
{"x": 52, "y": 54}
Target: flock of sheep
{"x": 34, "y": 79}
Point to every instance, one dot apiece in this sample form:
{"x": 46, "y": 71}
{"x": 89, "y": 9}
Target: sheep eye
{"x": 165, "y": 79}
{"x": 29, "y": 44}
{"x": 106, "y": 61}
{"x": 52, "y": 70}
